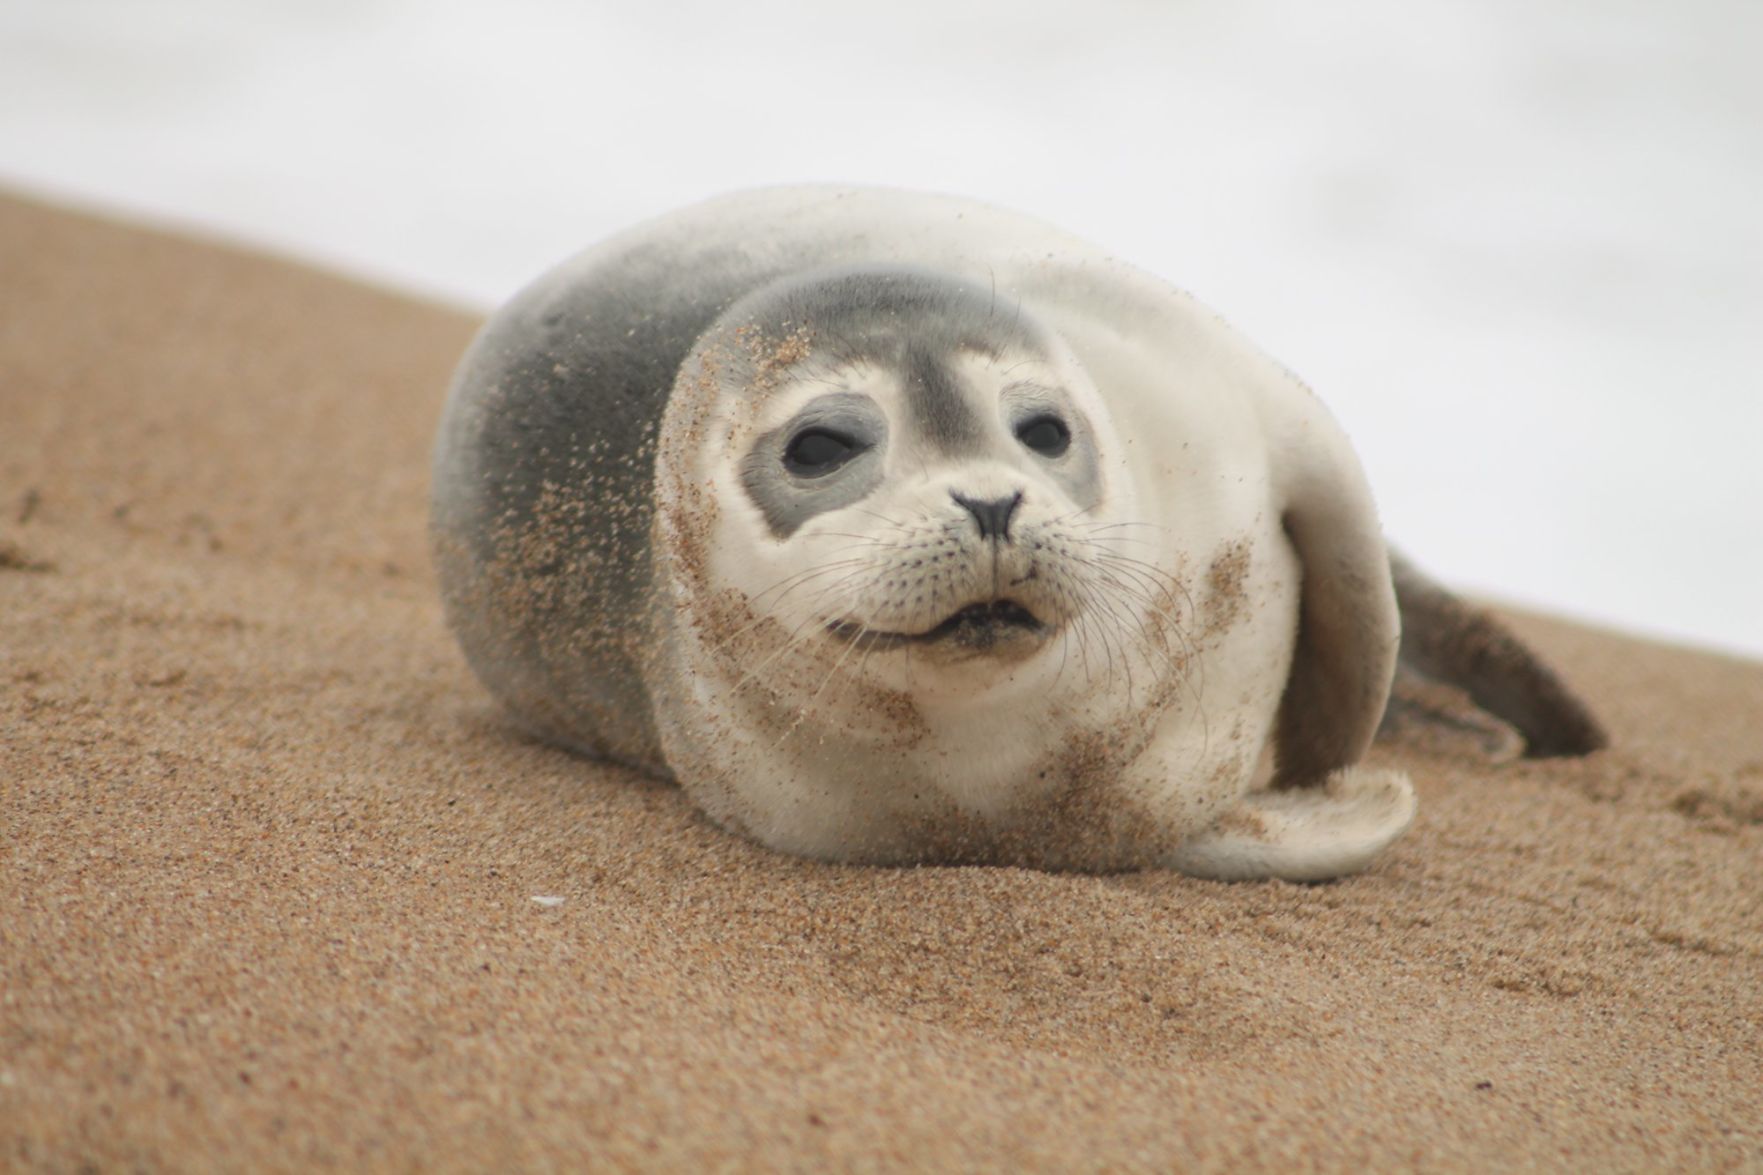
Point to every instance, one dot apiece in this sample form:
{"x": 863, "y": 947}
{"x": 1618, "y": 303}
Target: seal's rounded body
{"x": 897, "y": 528}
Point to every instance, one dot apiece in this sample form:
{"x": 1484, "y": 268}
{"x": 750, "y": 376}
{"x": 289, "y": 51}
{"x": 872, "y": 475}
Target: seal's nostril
{"x": 994, "y": 516}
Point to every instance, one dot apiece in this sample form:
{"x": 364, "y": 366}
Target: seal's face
{"x": 923, "y": 489}
{"x": 940, "y": 504}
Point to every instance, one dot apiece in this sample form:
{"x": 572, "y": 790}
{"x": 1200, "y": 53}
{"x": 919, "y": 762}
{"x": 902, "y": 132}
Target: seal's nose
{"x": 993, "y": 516}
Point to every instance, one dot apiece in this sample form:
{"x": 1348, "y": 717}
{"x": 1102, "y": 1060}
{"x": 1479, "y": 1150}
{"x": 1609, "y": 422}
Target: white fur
{"x": 1207, "y": 448}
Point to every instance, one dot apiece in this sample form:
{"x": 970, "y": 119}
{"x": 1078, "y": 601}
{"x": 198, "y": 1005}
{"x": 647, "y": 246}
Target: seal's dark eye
{"x": 1046, "y": 435}
{"x": 816, "y": 451}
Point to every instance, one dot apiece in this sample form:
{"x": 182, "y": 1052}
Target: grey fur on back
{"x": 542, "y": 482}
{"x": 544, "y": 465}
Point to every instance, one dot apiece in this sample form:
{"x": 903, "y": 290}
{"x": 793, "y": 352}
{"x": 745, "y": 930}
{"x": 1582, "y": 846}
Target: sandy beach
{"x": 271, "y": 859}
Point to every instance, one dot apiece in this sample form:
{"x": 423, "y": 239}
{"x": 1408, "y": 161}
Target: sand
{"x": 281, "y": 889}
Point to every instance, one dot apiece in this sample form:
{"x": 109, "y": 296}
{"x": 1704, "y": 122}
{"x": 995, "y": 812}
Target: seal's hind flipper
{"x": 1446, "y": 639}
{"x": 1303, "y": 833}
{"x": 1431, "y": 715}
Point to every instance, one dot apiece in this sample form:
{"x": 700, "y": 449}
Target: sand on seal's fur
{"x": 269, "y": 856}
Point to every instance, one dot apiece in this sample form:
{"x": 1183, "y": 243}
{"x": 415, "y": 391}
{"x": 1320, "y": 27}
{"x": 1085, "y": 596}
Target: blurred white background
{"x": 1517, "y": 245}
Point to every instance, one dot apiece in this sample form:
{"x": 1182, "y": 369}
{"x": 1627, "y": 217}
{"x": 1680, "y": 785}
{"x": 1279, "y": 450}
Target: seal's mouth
{"x": 978, "y": 627}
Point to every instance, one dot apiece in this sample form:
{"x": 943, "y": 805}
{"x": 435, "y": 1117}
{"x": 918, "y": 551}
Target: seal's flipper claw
{"x": 1306, "y": 833}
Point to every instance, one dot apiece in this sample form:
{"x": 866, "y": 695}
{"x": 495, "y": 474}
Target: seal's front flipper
{"x": 1303, "y": 833}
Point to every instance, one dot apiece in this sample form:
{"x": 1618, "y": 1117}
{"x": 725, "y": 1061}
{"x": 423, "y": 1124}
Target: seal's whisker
{"x": 1106, "y": 609}
{"x": 879, "y": 517}
{"x": 866, "y": 539}
{"x": 1156, "y": 581}
{"x": 1100, "y": 533}
{"x": 804, "y": 631}
{"x": 1089, "y": 622}
{"x": 1100, "y": 527}
{"x": 803, "y": 711}
{"x": 760, "y": 618}
{"x": 1189, "y": 665}
{"x": 752, "y": 676}
{"x": 1172, "y": 626}
{"x": 802, "y": 577}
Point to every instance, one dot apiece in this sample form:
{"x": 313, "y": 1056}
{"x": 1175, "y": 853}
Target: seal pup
{"x": 901, "y": 529}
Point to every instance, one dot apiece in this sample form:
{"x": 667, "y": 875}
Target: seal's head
{"x": 894, "y": 472}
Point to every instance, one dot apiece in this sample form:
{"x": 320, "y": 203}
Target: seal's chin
{"x": 992, "y": 625}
